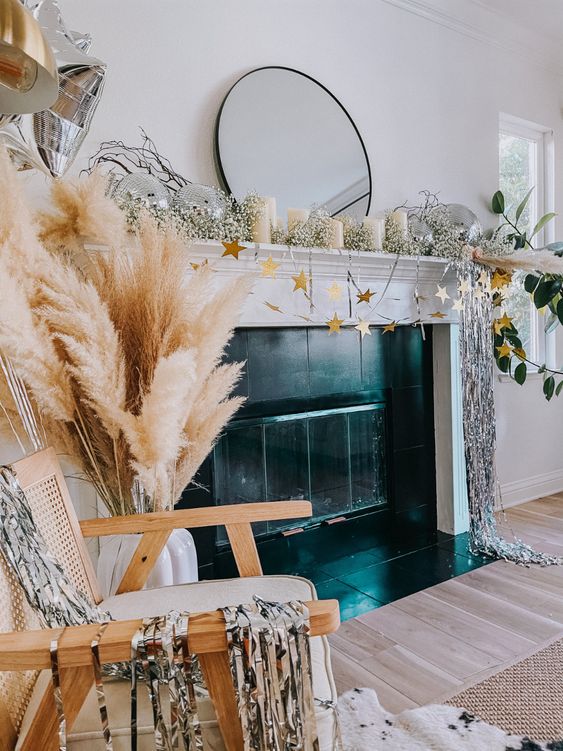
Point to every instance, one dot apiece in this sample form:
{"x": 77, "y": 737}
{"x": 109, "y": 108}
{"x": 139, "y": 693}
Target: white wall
{"x": 425, "y": 98}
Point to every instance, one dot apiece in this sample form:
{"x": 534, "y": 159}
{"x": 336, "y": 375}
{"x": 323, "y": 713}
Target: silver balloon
{"x": 465, "y": 221}
{"x": 203, "y": 198}
{"x": 51, "y": 139}
{"x": 420, "y": 231}
{"x": 144, "y": 188}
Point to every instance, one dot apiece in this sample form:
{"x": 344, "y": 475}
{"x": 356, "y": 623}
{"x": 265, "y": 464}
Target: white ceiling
{"x": 543, "y": 17}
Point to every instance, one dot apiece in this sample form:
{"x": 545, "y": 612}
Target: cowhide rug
{"x": 366, "y": 726}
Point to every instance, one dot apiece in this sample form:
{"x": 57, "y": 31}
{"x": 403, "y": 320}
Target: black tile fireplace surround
{"x": 344, "y": 422}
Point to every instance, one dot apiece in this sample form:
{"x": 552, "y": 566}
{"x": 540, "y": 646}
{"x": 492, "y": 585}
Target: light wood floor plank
{"x": 434, "y": 643}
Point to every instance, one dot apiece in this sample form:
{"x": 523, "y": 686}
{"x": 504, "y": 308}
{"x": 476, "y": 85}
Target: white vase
{"x": 177, "y": 563}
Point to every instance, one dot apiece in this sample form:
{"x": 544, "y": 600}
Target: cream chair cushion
{"x": 199, "y": 597}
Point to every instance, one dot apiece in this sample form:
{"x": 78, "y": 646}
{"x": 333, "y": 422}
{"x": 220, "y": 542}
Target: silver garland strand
{"x": 477, "y": 373}
{"x": 160, "y": 649}
{"x": 47, "y": 588}
{"x": 271, "y": 669}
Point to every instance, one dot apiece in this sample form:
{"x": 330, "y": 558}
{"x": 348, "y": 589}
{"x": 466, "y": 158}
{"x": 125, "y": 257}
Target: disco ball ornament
{"x": 419, "y": 230}
{"x": 465, "y": 221}
{"x": 201, "y": 198}
{"x": 147, "y": 189}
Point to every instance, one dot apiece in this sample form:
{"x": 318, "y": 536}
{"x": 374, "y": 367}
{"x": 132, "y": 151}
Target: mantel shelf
{"x": 367, "y": 269}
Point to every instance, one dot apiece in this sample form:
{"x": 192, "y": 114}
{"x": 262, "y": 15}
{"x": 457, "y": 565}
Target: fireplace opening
{"x": 342, "y": 421}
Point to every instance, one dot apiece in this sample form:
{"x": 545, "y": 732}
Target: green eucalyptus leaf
{"x": 556, "y": 248}
{"x": 519, "y": 241}
{"x": 541, "y": 369}
{"x": 560, "y": 311}
{"x": 559, "y": 387}
{"x": 520, "y": 373}
{"x": 546, "y": 291}
{"x": 523, "y": 204}
{"x": 549, "y": 387}
{"x": 503, "y": 364}
{"x": 497, "y": 203}
{"x": 543, "y": 221}
{"x": 531, "y": 282}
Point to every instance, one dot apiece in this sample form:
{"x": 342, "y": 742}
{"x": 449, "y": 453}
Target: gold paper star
{"x": 520, "y": 353}
{"x": 463, "y": 287}
{"x": 196, "y": 266}
{"x": 484, "y": 278}
{"x": 506, "y": 321}
{"x": 442, "y": 294}
{"x": 300, "y": 281}
{"x": 269, "y": 267}
{"x": 390, "y": 328}
{"x": 420, "y": 298}
{"x": 501, "y": 279}
{"x": 458, "y": 305}
{"x": 365, "y": 296}
{"x": 334, "y": 324}
{"x": 233, "y": 249}
{"x": 363, "y": 328}
{"x": 335, "y": 291}
{"x": 275, "y": 308}
{"x": 504, "y": 351}
{"x": 438, "y": 314}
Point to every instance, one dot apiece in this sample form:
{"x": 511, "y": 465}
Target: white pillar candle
{"x": 376, "y": 225}
{"x": 261, "y": 232}
{"x": 296, "y": 216}
{"x": 401, "y": 219}
{"x": 337, "y": 240}
{"x": 271, "y": 209}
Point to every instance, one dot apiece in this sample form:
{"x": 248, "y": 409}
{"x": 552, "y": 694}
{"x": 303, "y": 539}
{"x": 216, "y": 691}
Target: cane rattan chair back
{"x": 41, "y": 477}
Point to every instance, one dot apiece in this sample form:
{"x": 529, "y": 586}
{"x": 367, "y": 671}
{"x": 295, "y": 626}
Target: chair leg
{"x": 75, "y": 686}
{"x": 217, "y": 674}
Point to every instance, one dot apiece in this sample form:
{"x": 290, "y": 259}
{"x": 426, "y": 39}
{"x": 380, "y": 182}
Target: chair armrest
{"x": 157, "y": 526}
{"x": 210, "y": 516}
{"x": 30, "y": 650}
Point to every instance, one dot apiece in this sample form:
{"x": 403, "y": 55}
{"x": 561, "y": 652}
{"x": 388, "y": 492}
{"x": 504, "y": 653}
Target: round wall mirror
{"x": 281, "y": 133}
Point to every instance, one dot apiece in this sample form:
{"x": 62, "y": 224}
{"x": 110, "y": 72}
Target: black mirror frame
{"x": 217, "y": 153}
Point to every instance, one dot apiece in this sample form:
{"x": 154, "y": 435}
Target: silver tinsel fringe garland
{"x": 479, "y": 428}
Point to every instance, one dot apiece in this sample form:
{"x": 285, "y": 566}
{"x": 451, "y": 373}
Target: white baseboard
{"x": 530, "y": 488}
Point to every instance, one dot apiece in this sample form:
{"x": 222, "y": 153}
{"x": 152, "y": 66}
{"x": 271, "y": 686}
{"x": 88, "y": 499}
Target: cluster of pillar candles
{"x": 268, "y": 219}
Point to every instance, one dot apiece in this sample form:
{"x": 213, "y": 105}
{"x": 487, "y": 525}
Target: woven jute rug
{"x": 525, "y": 698}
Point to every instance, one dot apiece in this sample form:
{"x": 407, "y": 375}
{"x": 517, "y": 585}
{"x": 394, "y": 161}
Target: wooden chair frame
{"x": 30, "y": 650}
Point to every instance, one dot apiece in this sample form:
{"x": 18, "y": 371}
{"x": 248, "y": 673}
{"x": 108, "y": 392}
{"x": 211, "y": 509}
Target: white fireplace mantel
{"x": 369, "y": 270}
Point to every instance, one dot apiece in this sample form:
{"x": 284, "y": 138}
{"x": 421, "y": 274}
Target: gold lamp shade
{"x": 28, "y": 72}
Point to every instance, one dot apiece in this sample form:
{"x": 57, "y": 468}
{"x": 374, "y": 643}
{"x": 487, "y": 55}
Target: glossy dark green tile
{"x": 387, "y": 582}
{"x": 407, "y": 357}
{"x": 460, "y": 544}
{"x": 329, "y": 462}
{"x": 334, "y": 362}
{"x": 414, "y": 478}
{"x": 277, "y": 363}
{"x": 237, "y": 351}
{"x": 409, "y": 417}
{"x": 368, "y": 454}
{"x": 352, "y": 602}
{"x": 375, "y": 362}
{"x": 349, "y": 564}
{"x": 439, "y": 563}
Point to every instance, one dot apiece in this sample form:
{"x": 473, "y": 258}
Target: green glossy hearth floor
{"x": 382, "y": 574}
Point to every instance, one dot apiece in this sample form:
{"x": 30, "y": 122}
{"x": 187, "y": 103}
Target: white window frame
{"x": 543, "y": 197}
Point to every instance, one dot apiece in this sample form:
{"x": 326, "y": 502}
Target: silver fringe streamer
{"x": 100, "y": 693}
{"x": 47, "y": 588}
{"x": 159, "y": 649}
{"x": 477, "y": 373}
{"x": 271, "y": 670}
